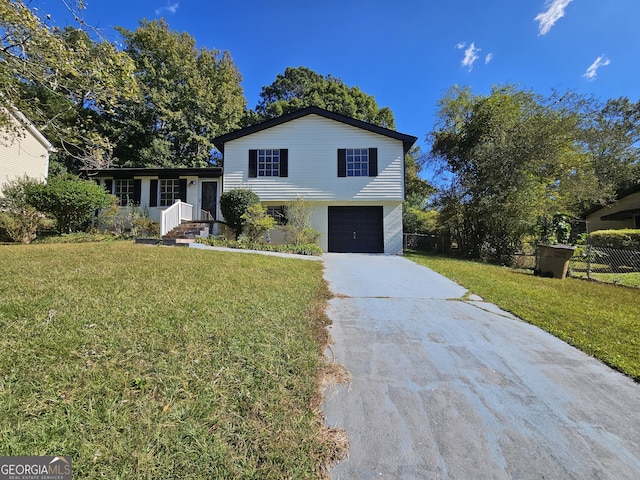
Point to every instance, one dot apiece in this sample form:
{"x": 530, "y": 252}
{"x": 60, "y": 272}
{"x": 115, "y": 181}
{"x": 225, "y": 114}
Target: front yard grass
{"x": 151, "y": 362}
{"x": 600, "y": 319}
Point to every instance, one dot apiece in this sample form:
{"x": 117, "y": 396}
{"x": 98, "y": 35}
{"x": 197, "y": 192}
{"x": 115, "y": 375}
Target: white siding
{"x": 22, "y": 155}
{"x": 313, "y": 144}
{"x": 194, "y": 193}
{"x": 392, "y": 219}
{"x": 630, "y": 202}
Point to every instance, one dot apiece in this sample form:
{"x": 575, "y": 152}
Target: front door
{"x": 210, "y": 197}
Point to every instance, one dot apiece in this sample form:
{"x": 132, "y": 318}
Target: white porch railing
{"x": 179, "y": 211}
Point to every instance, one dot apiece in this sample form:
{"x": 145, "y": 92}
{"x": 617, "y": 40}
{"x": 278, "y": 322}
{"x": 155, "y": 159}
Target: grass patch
{"x": 600, "y": 319}
{"x": 144, "y": 362}
{"x": 625, "y": 279}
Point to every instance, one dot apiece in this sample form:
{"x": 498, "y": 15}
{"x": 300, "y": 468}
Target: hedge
{"x": 627, "y": 239}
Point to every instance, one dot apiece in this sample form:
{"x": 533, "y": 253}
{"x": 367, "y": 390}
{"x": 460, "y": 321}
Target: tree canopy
{"x": 301, "y": 87}
{"x": 188, "y": 96}
{"x": 513, "y": 163}
{"x": 62, "y": 79}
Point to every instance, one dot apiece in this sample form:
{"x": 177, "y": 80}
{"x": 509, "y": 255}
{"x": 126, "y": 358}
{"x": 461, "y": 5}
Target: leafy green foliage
{"x": 234, "y": 204}
{"x": 628, "y": 238}
{"x": 243, "y": 244}
{"x": 301, "y": 87}
{"x": 18, "y": 218}
{"x": 256, "y": 222}
{"x": 62, "y": 79}
{"x": 188, "y": 96}
{"x": 610, "y": 135}
{"x": 69, "y": 199}
{"x": 513, "y": 162}
{"x": 298, "y": 230}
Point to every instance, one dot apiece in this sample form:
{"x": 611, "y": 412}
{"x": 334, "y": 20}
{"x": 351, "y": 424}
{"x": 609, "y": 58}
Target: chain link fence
{"x": 609, "y": 265}
{"x": 432, "y": 243}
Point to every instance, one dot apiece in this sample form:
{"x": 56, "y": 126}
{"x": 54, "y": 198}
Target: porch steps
{"x": 185, "y": 233}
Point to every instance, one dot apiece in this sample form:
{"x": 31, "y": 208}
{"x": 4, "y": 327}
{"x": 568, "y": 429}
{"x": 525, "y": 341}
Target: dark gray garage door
{"x": 356, "y": 229}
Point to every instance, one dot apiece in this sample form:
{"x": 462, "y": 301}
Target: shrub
{"x": 145, "y": 227}
{"x": 298, "y": 229}
{"x": 131, "y": 218}
{"x": 233, "y": 204}
{"x": 256, "y": 222}
{"x": 18, "y": 218}
{"x": 628, "y": 239}
{"x": 69, "y": 199}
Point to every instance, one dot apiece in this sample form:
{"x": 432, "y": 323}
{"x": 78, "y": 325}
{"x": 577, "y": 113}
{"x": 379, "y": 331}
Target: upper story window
{"x": 272, "y": 162}
{"x": 123, "y": 189}
{"x": 357, "y": 162}
{"x": 169, "y": 192}
{"x": 268, "y": 163}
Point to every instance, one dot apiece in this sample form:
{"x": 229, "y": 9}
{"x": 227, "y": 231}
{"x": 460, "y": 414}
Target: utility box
{"x": 554, "y": 260}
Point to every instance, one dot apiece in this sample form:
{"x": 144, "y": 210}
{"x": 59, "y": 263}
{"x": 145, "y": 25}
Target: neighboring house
{"x": 350, "y": 171}
{"x": 24, "y": 151}
{"x": 623, "y": 213}
{"x": 157, "y": 189}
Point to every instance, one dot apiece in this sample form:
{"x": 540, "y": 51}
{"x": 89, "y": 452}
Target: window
{"x": 278, "y": 214}
{"x": 169, "y": 192}
{"x": 123, "y": 189}
{"x": 271, "y": 162}
{"x": 357, "y": 162}
{"x": 268, "y": 163}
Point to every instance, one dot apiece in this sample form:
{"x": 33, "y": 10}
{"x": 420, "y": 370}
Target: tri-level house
{"x": 351, "y": 172}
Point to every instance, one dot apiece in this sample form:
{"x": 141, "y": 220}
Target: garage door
{"x": 356, "y": 229}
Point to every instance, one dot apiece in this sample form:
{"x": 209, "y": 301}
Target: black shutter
{"x": 373, "y": 162}
{"x": 108, "y": 185}
{"x": 153, "y": 193}
{"x": 253, "y": 163}
{"x": 284, "y": 162}
{"x": 182, "y": 189}
{"x": 137, "y": 189}
{"x": 342, "y": 162}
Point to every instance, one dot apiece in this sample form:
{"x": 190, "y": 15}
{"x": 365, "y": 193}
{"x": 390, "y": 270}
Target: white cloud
{"x": 488, "y": 58}
{"x": 461, "y": 45}
{"x": 470, "y": 56}
{"x": 592, "y": 71}
{"x": 555, "y": 11}
{"x": 171, "y": 8}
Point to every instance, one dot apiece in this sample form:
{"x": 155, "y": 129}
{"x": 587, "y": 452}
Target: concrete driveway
{"x": 444, "y": 387}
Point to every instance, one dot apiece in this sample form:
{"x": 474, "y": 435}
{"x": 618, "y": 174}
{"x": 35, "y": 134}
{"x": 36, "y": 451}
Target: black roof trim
{"x": 207, "y": 172}
{"x": 407, "y": 140}
{"x": 620, "y": 196}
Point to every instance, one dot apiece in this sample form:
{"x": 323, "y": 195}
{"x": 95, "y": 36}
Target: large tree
{"x": 611, "y": 137}
{"x": 513, "y": 163}
{"x": 188, "y": 96}
{"x": 301, "y": 87}
{"x": 62, "y": 79}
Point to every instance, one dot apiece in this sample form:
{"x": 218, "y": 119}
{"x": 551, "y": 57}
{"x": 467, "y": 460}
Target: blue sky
{"x": 406, "y": 53}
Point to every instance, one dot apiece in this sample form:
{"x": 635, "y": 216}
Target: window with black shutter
{"x": 357, "y": 162}
{"x": 269, "y": 162}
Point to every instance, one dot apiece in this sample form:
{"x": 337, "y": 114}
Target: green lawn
{"x": 600, "y": 319}
{"x": 149, "y": 362}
